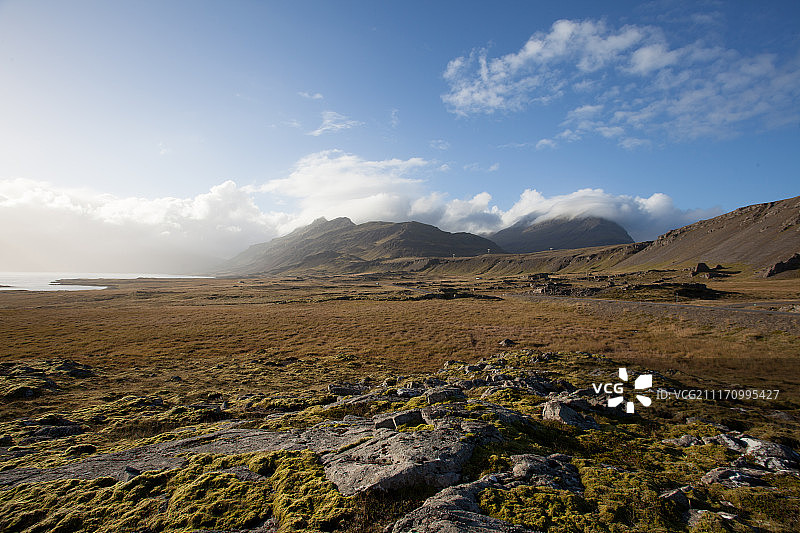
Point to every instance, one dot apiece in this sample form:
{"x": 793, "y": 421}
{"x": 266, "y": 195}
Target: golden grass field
{"x": 241, "y": 335}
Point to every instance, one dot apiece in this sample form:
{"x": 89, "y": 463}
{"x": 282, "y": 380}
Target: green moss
{"x": 420, "y": 427}
{"x": 216, "y": 500}
{"x": 198, "y": 495}
{"x": 317, "y": 414}
{"x": 543, "y": 508}
{"x": 303, "y": 500}
{"x": 711, "y": 523}
{"x": 293, "y": 403}
{"x": 416, "y": 402}
{"x": 626, "y": 500}
{"x": 774, "y": 508}
{"x": 517, "y": 400}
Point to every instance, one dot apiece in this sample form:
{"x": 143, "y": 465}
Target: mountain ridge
{"x": 342, "y": 242}
{"x": 759, "y": 236}
{"x": 560, "y": 233}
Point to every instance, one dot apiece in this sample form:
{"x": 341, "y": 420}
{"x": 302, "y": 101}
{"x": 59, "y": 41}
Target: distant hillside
{"x": 595, "y": 259}
{"x": 339, "y": 245}
{"x": 559, "y": 234}
{"x": 758, "y": 235}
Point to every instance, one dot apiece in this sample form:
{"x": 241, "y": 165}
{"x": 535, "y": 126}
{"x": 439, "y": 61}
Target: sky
{"x": 165, "y": 136}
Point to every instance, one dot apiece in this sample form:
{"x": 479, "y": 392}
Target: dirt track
{"x": 757, "y": 319}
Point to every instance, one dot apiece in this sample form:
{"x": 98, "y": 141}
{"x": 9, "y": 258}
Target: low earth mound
{"x": 523, "y": 441}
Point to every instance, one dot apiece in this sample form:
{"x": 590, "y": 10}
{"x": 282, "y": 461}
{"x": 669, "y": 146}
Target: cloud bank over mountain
{"x": 55, "y": 228}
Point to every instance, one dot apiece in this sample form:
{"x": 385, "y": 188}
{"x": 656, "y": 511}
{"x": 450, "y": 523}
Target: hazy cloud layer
{"x": 634, "y": 84}
{"x": 54, "y": 228}
{"x": 333, "y": 121}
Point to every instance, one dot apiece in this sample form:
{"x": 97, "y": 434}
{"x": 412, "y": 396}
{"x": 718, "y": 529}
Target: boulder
{"x": 75, "y": 370}
{"x": 678, "y": 498}
{"x": 684, "y": 441}
{"x": 411, "y": 417}
{"x": 730, "y": 441}
{"x": 554, "y": 470}
{"x": 793, "y": 263}
{"x": 772, "y": 456}
{"x": 393, "y": 460}
{"x": 346, "y": 389}
{"x": 130, "y": 472}
{"x": 554, "y": 410}
{"x": 56, "y": 432}
{"x": 700, "y": 268}
{"x": 730, "y": 477}
{"x": 405, "y": 392}
{"x": 445, "y": 394}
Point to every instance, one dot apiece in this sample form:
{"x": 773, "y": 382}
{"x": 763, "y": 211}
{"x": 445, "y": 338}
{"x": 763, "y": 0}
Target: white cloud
{"x": 71, "y": 229}
{"x": 439, "y": 144}
{"x": 644, "y": 218}
{"x": 653, "y": 57}
{"x": 56, "y": 228}
{"x": 631, "y": 78}
{"x": 610, "y": 131}
{"x": 631, "y": 143}
{"x": 546, "y": 143}
{"x": 333, "y": 121}
{"x": 394, "y": 118}
{"x": 477, "y": 167}
{"x": 311, "y": 96}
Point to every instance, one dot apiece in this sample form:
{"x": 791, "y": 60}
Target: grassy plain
{"x": 194, "y": 337}
{"x": 273, "y": 345}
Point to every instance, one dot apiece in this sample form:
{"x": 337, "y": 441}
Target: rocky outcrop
{"x": 356, "y": 455}
{"x": 793, "y": 263}
{"x": 731, "y": 477}
{"x": 26, "y": 381}
{"x": 431, "y": 431}
{"x": 393, "y": 460}
{"x": 456, "y": 509}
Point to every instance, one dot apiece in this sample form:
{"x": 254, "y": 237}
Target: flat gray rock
{"x": 392, "y": 460}
{"x": 454, "y": 510}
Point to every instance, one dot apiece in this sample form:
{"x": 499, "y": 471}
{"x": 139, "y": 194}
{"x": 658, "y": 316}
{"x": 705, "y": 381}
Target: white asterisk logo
{"x": 643, "y": 382}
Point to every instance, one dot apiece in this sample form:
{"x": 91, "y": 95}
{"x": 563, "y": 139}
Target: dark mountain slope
{"x": 559, "y": 234}
{"x": 757, "y": 235}
{"x": 343, "y": 245}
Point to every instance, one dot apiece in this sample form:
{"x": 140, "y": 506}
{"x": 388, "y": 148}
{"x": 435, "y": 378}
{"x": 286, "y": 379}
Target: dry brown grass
{"x": 237, "y": 337}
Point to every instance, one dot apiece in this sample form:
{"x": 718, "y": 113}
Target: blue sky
{"x": 153, "y": 135}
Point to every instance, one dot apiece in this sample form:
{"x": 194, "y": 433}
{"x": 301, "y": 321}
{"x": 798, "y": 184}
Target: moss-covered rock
{"x": 542, "y": 508}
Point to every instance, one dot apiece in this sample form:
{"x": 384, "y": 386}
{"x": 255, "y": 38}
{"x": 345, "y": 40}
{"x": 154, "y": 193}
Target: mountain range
{"x": 560, "y": 233}
{"x": 758, "y": 235}
{"x": 341, "y": 244}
